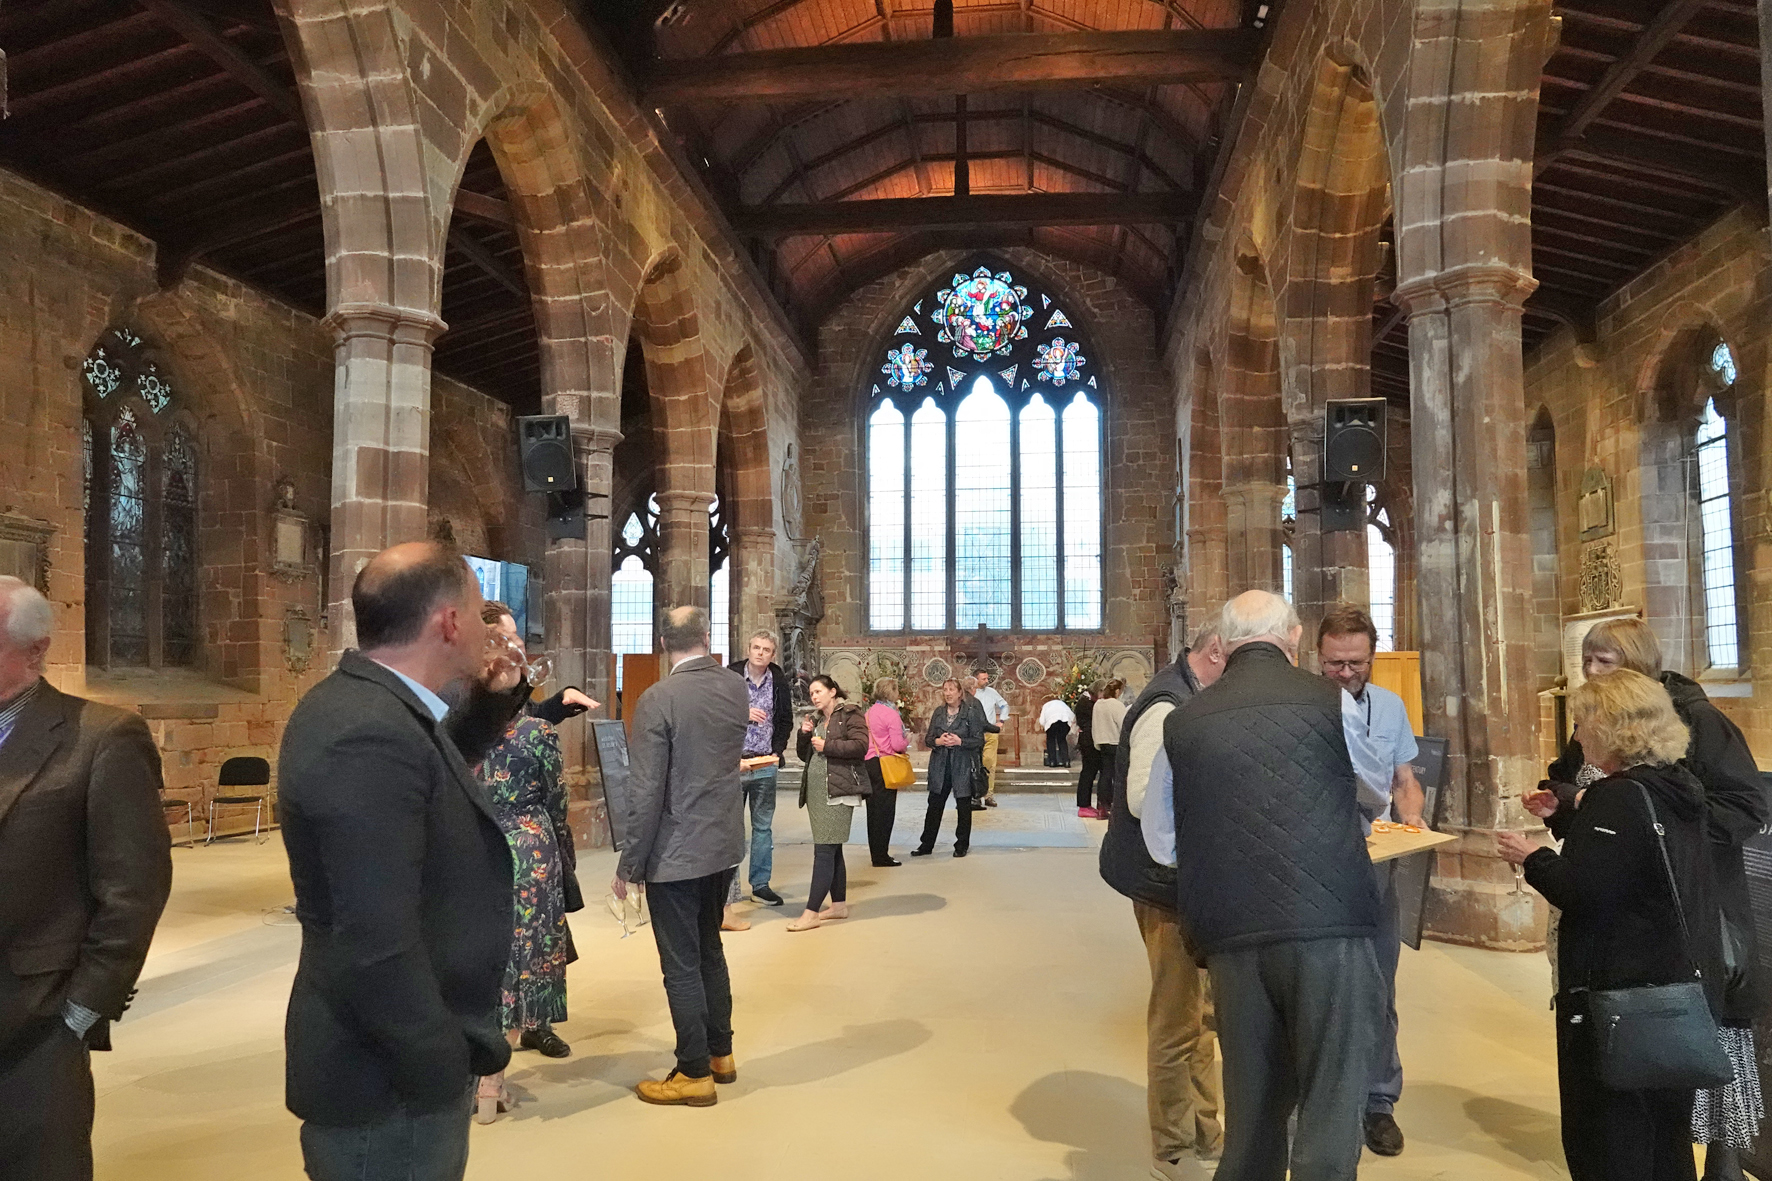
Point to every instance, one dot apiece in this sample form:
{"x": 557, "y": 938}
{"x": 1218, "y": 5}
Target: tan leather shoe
{"x": 679, "y": 1090}
{"x": 725, "y": 1068}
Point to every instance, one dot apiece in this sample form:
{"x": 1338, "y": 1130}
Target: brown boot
{"x": 679, "y": 1090}
{"x": 725, "y": 1068}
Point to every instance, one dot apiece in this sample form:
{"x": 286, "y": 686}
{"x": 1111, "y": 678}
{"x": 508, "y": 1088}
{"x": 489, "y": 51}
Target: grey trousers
{"x": 1387, "y": 1064}
{"x": 428, "y": 1147}
{"x": 46, "y": 1119}
{"x": 1297, "y": 1025}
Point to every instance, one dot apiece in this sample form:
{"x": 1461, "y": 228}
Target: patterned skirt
{"x": 534, "y": 991}
{"x": 1730, "y": 1115}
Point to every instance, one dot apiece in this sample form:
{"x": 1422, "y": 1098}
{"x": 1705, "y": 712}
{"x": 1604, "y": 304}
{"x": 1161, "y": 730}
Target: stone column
{"x": 754, "y": 563}
{"x": 576, "y": 603}
{"x": 683, "y": 548}
{"x": 1474, "y": 556}
{"x": 1328, "y": 567}
{"x": 381, "y": 435}
{"x": 1253, "y": 535}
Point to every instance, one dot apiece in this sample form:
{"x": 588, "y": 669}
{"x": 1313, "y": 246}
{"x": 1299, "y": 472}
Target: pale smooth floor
{"x": 978, "y": 1019}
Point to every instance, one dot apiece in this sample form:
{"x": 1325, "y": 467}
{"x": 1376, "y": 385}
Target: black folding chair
{"x": 242, "y": 771}
{"x": 171, "y": 806}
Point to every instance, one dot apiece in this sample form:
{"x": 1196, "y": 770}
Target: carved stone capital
{"x": 1466, "y": 283}
{"x": 384, "y": 322}
{"x": 681, "y": 501}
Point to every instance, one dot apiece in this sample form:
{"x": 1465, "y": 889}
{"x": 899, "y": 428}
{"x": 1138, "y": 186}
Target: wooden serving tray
{"x": 1391, "y": 841}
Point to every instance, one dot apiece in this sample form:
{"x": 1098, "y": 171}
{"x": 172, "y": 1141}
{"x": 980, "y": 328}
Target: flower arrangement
{"x": 877, "y": 666}
{"x": 1084, "y": 672}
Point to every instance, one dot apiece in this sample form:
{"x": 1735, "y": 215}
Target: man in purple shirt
{"x": 771, "y": 721}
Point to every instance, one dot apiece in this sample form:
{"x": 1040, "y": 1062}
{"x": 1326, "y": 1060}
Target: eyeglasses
{"x": 1346, "y": 666}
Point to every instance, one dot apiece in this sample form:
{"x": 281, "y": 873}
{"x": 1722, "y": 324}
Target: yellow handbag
{"x": 896, "y": 771}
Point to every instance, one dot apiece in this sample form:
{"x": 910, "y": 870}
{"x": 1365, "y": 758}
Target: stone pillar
{"x": 1474, "y": 555}
{"x": 683, "y": 548}
{"x": 1253, "y": 535}
{"x": 381, "y": 435}
{"x": 576, "y": 604}
{"x": 753, "y": 561}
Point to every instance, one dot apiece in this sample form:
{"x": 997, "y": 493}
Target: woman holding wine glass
{"x": 522, "y": 777}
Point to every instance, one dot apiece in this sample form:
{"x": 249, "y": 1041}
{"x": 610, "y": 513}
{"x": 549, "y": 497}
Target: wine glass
{"x": 534, "y": 669}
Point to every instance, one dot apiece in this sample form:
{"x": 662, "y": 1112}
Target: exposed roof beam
{"x": 488, "y": 262}
{"x": 196, "y": 29}
{"x": 959, "y": 65}
{"x": 176, "y": 249}
{"x": 480, "y": 207}
{"x": 914, "y": 213}
{"x": 1578, "y": 317}
{"x": 1655, "y": 36}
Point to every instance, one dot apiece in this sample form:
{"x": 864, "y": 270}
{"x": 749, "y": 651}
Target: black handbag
{"x": 1659, "y": 1036}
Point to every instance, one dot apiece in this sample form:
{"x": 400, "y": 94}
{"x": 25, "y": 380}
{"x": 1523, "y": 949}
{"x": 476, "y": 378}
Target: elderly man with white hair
{"x": 85, "y": 868}
{"x": 1263, "y": 814}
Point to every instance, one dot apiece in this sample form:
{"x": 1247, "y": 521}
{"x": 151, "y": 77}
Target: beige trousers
{"x": 990, "y": 763}
{"x": 1183, "y": 1088}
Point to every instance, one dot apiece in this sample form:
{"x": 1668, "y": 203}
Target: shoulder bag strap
{"x": 1673, "y": 887}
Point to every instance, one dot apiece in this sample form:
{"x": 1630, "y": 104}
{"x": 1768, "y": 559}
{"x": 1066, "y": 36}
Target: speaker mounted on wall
{"x": 1353, "y": 458}
{"x": 544, "y": 448}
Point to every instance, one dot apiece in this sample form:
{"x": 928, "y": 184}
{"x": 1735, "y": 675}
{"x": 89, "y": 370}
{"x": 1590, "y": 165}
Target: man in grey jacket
{"x": 684, "y": 836}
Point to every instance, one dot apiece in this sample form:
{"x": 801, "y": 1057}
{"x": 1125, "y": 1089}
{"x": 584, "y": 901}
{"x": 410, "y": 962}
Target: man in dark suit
{"x": 403, "y": 885}
{"x": 684, "y": 834}
{"x": 85, "y": 868}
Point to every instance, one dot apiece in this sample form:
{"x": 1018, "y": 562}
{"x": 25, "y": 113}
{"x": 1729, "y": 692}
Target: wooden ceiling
{"x": 1649, "y": 130}
{"x": 846, "y": 138}
{"x": 179, "y": 118}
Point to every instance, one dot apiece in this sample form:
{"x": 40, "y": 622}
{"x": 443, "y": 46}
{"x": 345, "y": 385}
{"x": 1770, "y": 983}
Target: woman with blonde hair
{"x": 1619, "y": 925}
{"x": 1727, "y": 1118}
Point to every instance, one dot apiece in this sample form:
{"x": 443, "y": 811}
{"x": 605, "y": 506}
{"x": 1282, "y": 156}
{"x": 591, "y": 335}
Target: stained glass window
{"x": 139, "y": 492}
{"x": 1717, "y": 532}
{"x": 631, "y": 587}
{"x": 981, "y": 509}
{"x": 128, "y": 584}
{"x": 1288, "y": 521}
{"x": 178, "y": 548}
{"x": 1039, "y": 515}
{"x": 984, "y": 493}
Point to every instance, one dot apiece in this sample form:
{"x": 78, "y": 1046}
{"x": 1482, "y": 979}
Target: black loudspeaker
{"x": 1353, "y": 441}
{"x": 544, "y": 447}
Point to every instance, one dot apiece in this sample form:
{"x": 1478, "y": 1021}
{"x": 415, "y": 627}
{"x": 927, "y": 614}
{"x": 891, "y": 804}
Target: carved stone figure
{"x": 797, "y": 617}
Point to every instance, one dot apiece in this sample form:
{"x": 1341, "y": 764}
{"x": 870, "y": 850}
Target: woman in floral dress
{"x": 523, "y": 782}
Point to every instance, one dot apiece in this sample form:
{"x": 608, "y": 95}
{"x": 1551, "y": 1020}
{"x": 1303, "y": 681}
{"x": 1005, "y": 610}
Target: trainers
{"x": 765, "y": 895}
{"x": 1382, "y": 1134}
{"x": 679, "y": 1090}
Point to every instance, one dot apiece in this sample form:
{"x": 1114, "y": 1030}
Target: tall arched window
{"x": 1288, "y": 523}
{"x": 984, "y": 471}
{"x": 140, "y": 496}
{"x": 1716, "y": 521}
{"x": 1381, "y": 572}
{"x": 630, "y": 587}
{"x": 719, "y": 581}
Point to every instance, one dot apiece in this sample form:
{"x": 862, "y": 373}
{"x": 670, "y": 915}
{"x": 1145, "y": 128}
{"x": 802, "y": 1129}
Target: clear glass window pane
{"x": 886, "y": 518}
{"x": 1717, "y": 530}
{"x": 929, "y": 517}
{"x": 720, "y": 610}
{"x": 1381, "y": 578}
{"x": 981, "y": 509}
{"x": 630, "y": 612}
{"x": 1288, "y": 514}
{"x": 1039, "y": 515}
{"x": 1082, "y": 514}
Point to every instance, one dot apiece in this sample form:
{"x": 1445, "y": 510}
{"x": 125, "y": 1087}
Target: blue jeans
{"x": 759, "y": 794}
{"x": 432, "y": 1146}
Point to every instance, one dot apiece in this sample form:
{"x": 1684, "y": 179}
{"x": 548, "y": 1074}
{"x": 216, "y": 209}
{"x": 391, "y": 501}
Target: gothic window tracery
{"x": 1716, "y": 523}
{"x": 984, "y": 473}
{"x": 139, "y": 460}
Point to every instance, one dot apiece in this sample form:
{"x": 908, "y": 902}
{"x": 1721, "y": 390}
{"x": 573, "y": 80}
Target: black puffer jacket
{"x": 1268, "y": 837}
{"x": 1126, "y": 863}
{"x": 1735, "y": 809}
{"x": 1618, "y": 927}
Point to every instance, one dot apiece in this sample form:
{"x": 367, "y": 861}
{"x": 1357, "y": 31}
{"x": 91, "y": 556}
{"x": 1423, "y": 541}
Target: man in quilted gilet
{"x": 1275, "y": 888}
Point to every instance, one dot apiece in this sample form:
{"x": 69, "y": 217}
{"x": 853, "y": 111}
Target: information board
{"x": 612, "y": 764}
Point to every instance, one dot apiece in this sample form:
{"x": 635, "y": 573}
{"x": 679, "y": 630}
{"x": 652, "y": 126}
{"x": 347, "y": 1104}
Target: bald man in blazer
{"x": 85, "y": 869}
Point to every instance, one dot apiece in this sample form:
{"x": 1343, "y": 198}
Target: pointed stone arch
{"x": 1252, "y": 429}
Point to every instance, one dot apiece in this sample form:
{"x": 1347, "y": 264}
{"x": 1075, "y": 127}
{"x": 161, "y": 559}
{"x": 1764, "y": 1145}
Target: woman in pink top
{"x": 885, "y": 737}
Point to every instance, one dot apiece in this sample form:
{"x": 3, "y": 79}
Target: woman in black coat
{"x": 955, "y": 739}
{"x": 1726, "y": 1118}
{"x": 1619, "y": 927}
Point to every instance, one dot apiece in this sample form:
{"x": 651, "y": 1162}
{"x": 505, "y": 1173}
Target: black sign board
{"x": 1415, "y": 873}
{"x": 612, "y": 763}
